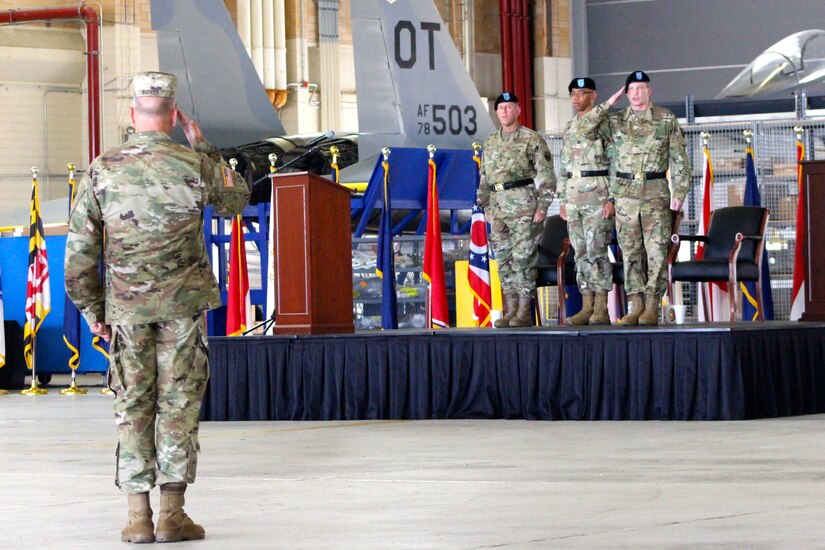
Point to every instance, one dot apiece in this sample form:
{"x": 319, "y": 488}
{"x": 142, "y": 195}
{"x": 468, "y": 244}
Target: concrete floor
{"x": 427, "y": 484}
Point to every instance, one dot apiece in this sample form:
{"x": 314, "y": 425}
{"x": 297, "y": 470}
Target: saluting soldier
{"x": 141, "y": 204}
{"x": 516, "y": 188}
{"x": 646, "y": 141}
{"x": 583, "y": 191}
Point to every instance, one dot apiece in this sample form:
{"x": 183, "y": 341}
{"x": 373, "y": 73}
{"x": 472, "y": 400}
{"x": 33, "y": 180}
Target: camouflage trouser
{"x": 589, "y": 235}
{"x": 158, "y": 372}
{"x": 515, "y": 238}
{"x": 643, "y": 226}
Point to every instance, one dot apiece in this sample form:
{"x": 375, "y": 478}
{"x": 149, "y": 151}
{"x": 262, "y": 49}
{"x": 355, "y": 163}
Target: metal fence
{"x": 774, "y": 146}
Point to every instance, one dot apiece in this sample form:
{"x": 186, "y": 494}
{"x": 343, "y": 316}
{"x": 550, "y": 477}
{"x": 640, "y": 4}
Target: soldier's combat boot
{"x": 651, "y": 315}
{"x": 173, "y": 524}
{"x": 636, "y": 307}
{"x": 510, "y": 307}
{"x": 524, "y": 316}
{"x": 140, "y": 528}
{"x": 583, "y": 317}
{"x": 600, "y": 314}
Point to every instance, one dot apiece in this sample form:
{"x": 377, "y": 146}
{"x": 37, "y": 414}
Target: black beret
{"x": 579, "y": 83}
{"x": 635, "y": 76}
{"x": 506, "y": 97}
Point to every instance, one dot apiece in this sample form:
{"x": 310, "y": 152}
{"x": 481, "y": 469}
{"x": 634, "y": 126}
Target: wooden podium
{"x": 312, "y": 255}
{"x": 813, "y": 190}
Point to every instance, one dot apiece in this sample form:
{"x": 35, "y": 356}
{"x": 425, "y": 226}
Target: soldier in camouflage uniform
{"x": 141, "y": 204}
{"x": 583, "y": 193}
{"x": 646, "y": 140}
{"x": 516, "y": 188}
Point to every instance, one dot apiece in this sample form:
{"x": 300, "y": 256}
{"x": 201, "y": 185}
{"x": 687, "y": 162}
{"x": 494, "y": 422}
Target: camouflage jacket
{"x": 651, "y": 143}
{"x": 584, "y": 148}
{"x": 141, "y": 203}
{"x": 521, "y": 155}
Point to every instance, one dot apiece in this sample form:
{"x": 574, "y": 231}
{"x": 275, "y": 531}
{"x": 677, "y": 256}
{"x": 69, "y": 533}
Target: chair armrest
{"x": 676, "y": 238}
{"x": 741, "y": 237}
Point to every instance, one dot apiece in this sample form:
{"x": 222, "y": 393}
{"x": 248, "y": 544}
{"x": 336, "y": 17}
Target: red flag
{"x": 434, "y": 257}
{"x": 38, "y": 287}
{"x": 238, "y": 299}
{"x": 798, "y": 288}
{"x": 717, "y": 292}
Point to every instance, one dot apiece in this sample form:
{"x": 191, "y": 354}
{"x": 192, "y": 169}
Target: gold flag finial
{"x": 798, "y": 130}
{"x": 35, "y": 171}
{"x": 386, "y": 152}
{"x": 431, "y": 150}
{"x": 70, "y": 166}
{"x": 705, "y": 137}
{"x": 748, "y": 136}
{"x": 233, "y": 162}
{"x": 334, "y": 151}
{"x": 273, "y": 158}
{"x": 476, "y": 148}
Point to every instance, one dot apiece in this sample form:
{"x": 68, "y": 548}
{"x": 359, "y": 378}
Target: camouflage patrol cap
{"x": 581, "y": 83}
{"x": 154, "y": 84}
{"x": 506, "y": 97}
{"x": 635, "y": 76}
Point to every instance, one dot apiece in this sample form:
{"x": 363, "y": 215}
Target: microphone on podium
{"x": 326, "y": 135}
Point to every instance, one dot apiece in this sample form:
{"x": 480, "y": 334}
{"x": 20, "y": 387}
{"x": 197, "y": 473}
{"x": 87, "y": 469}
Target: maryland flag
{"x": 238, "y": 299}
{"x": 434, "y": 257}
{"x": 38, "y": 289}
{"x": 798, "y": 288}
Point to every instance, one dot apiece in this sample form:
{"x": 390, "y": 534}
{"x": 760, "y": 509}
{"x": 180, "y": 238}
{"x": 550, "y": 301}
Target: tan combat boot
{"x": 173, "y": 524}
{"x": 510, "y": 307}
{"x": 583, "y": 317}
{"x": 140, "y": 528}
{"x": 636, "y": 307}
{"x": 651, "y": 315}
{"x": 600, "y": 314}
{"x": 524, "y": 317}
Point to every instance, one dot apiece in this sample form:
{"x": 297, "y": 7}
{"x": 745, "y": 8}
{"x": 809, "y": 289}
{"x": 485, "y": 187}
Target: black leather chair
{"x": 732, "y": 253}
{"x": 557, "y": 261}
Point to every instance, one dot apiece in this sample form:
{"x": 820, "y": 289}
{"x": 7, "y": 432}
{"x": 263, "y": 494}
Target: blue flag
{"x": 749, "y": 309}
{"x": 71, "y": 315}
{"x": 385, "y": 264}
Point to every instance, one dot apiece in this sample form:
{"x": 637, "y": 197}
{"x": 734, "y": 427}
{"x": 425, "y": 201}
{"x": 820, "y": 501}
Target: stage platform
{"x": 689, "y": 372}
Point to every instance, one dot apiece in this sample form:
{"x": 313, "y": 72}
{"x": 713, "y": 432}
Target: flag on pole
{"x": 798, "y": 288}
{"x": 385, "y": 265}
{"x": 717, "y": 292}
{"x": 71, "y": 315}
{"x": 479, "y": 269}
{"x": 238, "y": 300}
{"x": 434, "y": 256}
{"x": 2, "y": 332}
{"x": 750, "y": 311}
{"x": 38, "y": 289}
{"x": 478, "y": 273}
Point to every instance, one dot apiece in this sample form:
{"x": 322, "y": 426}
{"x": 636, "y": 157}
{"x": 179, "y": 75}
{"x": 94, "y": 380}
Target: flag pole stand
{"x": 4, "y": 392}
{"x": 33, "y": 389}
{"x": 73, "y": 389}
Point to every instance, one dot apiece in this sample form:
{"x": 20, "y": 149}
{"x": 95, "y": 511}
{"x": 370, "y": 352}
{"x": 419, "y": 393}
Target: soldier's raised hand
{"x": 616, "y": 97}
{"x": 190, "y": 128}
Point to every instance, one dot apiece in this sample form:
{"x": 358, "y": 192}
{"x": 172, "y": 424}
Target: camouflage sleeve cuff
{"x": 205, "y": 147}
{"x": 94, "y": 314}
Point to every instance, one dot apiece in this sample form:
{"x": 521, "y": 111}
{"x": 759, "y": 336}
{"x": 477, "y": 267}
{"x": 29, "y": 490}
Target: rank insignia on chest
{"x": 228, "y": 180}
